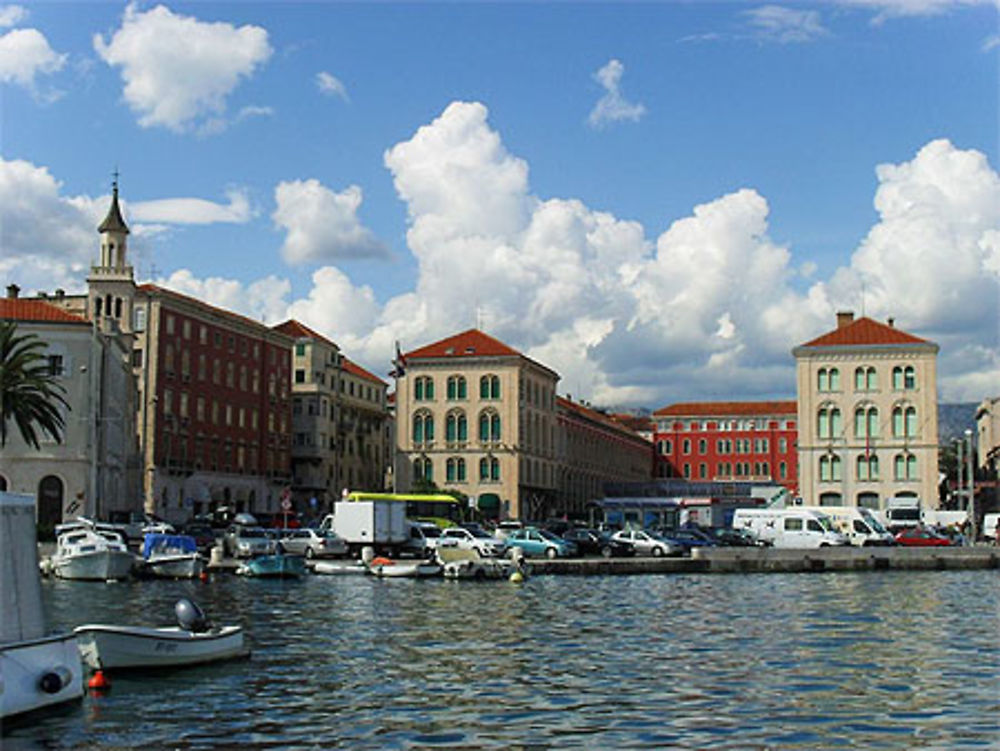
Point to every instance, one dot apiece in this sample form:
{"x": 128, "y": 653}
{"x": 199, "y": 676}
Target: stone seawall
{"x": 772, "y": 560}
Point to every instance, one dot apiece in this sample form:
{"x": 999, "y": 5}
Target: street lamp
{"x": 971, "y": 505}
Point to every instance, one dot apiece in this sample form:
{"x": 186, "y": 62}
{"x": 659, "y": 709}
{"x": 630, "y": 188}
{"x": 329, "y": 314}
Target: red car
{"x": 922, "y": 538}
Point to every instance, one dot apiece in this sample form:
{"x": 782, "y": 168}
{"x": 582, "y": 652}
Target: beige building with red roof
{"x": 340, "y": 422}
{"x": 93, "y": 469}
{"x": 867, "y": 410}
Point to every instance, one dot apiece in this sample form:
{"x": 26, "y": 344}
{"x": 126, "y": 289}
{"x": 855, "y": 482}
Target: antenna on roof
{"x": 479, "y": 317}
{"x": 862, "y": 298}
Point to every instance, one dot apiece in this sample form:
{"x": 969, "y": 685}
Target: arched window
{"x": 867, "y": 467}
{"x": 911, "y": 467}
{"x": 457, "y": 388}
{"x": 489, "y": 426}
{"x": 865, "y": 379}
{"x": 456, "y": 427}
{"x": 829, "y": 422}
{"x": 423, "y": 389}
{"x": 904, "y": 467}
{"x": 828, "y": 379}
{"x": 829, "y": 468}
{"x": 904, "y": 378}
{"x": 866, "y": 422}
{"x": 489, "y": 387}
{"x": 455, "y": 469}
{"x": 423, "y": 427}
{"x": 910, "y": 416}
{"x": 423, "y": 468}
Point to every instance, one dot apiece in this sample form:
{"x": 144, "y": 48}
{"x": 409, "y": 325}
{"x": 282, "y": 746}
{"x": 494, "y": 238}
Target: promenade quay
{"x": 779, "y": 560}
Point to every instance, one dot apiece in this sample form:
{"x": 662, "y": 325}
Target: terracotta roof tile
{"x": 471, "y": 343}
{"x": 727, "y": 409}
{"x": 864, "y": 331}
{"x": 299, "y": 330}
{"x": 595, "y": 416}
{"x": 36, "y": 311}
{"x": 354, "y": 369}
{"x": 157, "y": 290}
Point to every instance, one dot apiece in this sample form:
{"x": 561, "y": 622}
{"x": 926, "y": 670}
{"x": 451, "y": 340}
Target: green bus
{"x": 443, "y": 510}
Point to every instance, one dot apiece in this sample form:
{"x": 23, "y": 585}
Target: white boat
{"x": 85, "y": 550}
{"x": 37, "y": 670}
{"x": 389, "y": 568}
{"x": 337, "y": 568}
{"x": 191, "y": 642}
{"x": 172, "y": 556}
{"x": 459, "y": 563}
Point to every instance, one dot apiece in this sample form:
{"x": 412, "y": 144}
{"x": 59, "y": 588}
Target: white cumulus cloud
{"x": 12, "y": 15}
{"x": 24, "y": 55}
{"x": 613, "y": 107}
{"x": 178, "y": 71}
{"x": 195, "y": 210}
{"x": 322, "y": 225}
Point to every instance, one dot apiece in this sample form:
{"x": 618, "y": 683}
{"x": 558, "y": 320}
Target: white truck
{"x": 789, "y": 527}
{"x": 379, "y": 524}
{"x": 901, "y": 513}
{"x": 859, "y": 525}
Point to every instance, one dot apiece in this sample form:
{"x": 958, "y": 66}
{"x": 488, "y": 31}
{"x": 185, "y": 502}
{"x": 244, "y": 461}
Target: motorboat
{"x": 87, "y": 550}
{"x": 193, "y": 641}
{"x": 459, "y": 563}
{"x": 172, "y": 556}
{"x": 37, "y": 669}
{"x": 337, "y": 568}
{"x": 391, "y": 568}
{"x": 278, "y": 566}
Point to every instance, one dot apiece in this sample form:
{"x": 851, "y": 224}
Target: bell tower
{"x": 111, "y": 285}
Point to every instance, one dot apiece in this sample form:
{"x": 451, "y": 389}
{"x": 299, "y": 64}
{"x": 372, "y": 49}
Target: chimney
{"x": 844, "y": 318}
{"x": 13, "y": 291}
{"x": 892, "y": 321}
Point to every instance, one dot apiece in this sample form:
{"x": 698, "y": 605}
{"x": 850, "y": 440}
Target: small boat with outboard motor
{"x": 193, "y": 641}
{"x": 275, "y": 566}
{"x": 171, "y": 556}
{"x": 390, "y": 568}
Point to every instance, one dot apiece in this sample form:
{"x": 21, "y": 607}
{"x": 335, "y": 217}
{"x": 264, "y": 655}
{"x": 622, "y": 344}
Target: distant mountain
{"x": 955, "y": 419}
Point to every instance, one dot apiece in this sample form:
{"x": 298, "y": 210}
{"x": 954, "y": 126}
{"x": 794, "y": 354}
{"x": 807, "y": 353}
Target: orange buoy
{"x": 203, "y": 576}
{"x": 98, "y": 682}
{"x": 382, "y": 561}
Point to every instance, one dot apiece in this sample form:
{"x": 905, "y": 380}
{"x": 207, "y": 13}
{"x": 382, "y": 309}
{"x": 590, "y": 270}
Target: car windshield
{"x": 431, "y": 531}
{"x": 481, "y": 533}
{"x": 873, "y": 521}
{"x": 548, "y": 535}
{"x": 251, "y": 532}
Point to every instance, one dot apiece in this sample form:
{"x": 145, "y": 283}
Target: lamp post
{"x": 971, "y": 505}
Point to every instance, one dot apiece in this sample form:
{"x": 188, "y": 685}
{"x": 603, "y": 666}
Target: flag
{"x": 398, "y": 364}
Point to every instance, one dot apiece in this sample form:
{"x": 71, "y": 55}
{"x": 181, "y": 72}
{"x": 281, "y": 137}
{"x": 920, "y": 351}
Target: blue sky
{"x": 658, "y": 200}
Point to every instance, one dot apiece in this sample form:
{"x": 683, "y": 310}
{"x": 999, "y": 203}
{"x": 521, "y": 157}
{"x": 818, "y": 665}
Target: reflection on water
{"x": 886, "y": 660}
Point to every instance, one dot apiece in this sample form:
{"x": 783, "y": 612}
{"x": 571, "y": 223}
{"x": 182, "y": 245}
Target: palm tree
{"x": 29, "y": 393}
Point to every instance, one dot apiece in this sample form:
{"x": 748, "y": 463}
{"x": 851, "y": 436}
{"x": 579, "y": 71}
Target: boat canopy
{"x": 178, "y": 543}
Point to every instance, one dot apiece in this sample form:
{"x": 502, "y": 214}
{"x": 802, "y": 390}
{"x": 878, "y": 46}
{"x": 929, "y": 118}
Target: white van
{"x": 990, "y": 522}
{"x": 789, "y": 527}
{"x": 859, "y": 525}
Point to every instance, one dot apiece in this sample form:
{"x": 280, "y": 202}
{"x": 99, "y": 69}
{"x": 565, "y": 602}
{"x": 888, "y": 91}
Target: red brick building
{"x": 729, "y": 442}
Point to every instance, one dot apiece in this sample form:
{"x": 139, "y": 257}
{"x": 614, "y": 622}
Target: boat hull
{"x": 399, "y": 569}
{"x": 106, "y": 647}
{"x": 100, "y": 565}
{"x": 277, "y": 566}
{"x": 39, "y": 673}
{"x": 338, "y": 568}
{"x": 185, "y": 566}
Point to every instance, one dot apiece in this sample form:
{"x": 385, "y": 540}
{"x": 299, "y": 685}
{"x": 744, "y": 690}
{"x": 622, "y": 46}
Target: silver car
{"x": 647, "y": 543}
{"x": 246, "y": 542}
{"x": 311, "y": 544}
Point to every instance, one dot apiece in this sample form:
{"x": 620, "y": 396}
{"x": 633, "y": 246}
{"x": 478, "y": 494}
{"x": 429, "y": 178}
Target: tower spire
{"x": 114, "y": 222}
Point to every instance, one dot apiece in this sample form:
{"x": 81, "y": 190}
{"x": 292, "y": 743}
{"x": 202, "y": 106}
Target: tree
{"x": 30, "y": 395}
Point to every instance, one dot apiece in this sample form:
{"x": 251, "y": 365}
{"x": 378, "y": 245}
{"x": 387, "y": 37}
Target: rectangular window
{"x": 170, "y": 324}
{"x": 136, "y": 358}
{"x": 300, "y": 376}
{"x": 300, "y": 349}
{"x": 56, "y": 365}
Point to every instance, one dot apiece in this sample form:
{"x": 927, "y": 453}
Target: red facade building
{"x": 729, "y": 442}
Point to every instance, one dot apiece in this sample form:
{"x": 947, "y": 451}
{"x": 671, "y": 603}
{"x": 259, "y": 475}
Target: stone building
{"x": 867, "y": 414}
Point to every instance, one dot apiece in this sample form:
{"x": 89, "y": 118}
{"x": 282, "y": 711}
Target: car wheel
{"x": 606, "y": 551}
{"x": 657, "y": 552}
{"x": 551, "y": 553}
{"x": 310, "y": 553}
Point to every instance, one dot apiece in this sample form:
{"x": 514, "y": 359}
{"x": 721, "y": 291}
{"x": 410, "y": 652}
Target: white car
{"x": 646, "y": 543}
{"x": 482, "y": 542}
{"x": 311, "y": 544}
{"x": 425, "y": 538}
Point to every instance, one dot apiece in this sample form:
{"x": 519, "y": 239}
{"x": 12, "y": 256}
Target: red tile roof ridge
{"x": 595, "y": 415}
{"x": 295, "y": 328}
{"x": 150, "y": 287}
{"x": 864, "y": 331}
{"x": 36, "y": 311}
{"x": 469, "y": 343}
{"x": 352, "y": 367}
{"x": 727, "y": 409}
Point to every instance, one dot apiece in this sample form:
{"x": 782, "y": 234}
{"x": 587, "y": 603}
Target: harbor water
{"x": 856, "y": 660}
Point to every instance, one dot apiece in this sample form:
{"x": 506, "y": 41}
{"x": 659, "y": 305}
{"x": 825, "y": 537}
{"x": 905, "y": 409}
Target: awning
{"x": 489, "y": 502}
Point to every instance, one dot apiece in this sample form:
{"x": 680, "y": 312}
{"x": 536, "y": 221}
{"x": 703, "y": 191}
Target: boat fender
{"x": 55, "y": 680}
{"x": 98, "y": 682}
{"x": 517, "y": 577}
{"x": 381, "y": 561}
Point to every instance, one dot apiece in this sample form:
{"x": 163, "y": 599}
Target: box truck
{"x": 789, "y": 527}
{"x": 380, "y": 524}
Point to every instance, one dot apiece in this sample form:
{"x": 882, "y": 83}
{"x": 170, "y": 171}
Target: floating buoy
{"x": 98, "y": 682}
{"x": 203, "y": 576}
{"x": 517, "y": 577}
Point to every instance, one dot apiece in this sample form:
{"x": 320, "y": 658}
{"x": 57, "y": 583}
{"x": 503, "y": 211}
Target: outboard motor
{"x": 190, "y": 617}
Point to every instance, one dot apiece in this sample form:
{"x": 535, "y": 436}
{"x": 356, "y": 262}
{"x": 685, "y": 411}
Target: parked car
{"x": 921, "y": 537}
{"x": 310, "y": 543}
{"x": 479, "y": 540}
{"x": 203, "y": 534}
{"x": 734, "y": 538}
{"x": 587, "y": 541}
{"x": 540, "y": 542}
{"x": 504, "y": 529}
{"x": 244, "y": 542}
{"x": 425, "y": 538}
{"x": 647, "y": 543}
{"x": 614, "y": 548}
{"x": 689, "y": 539}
